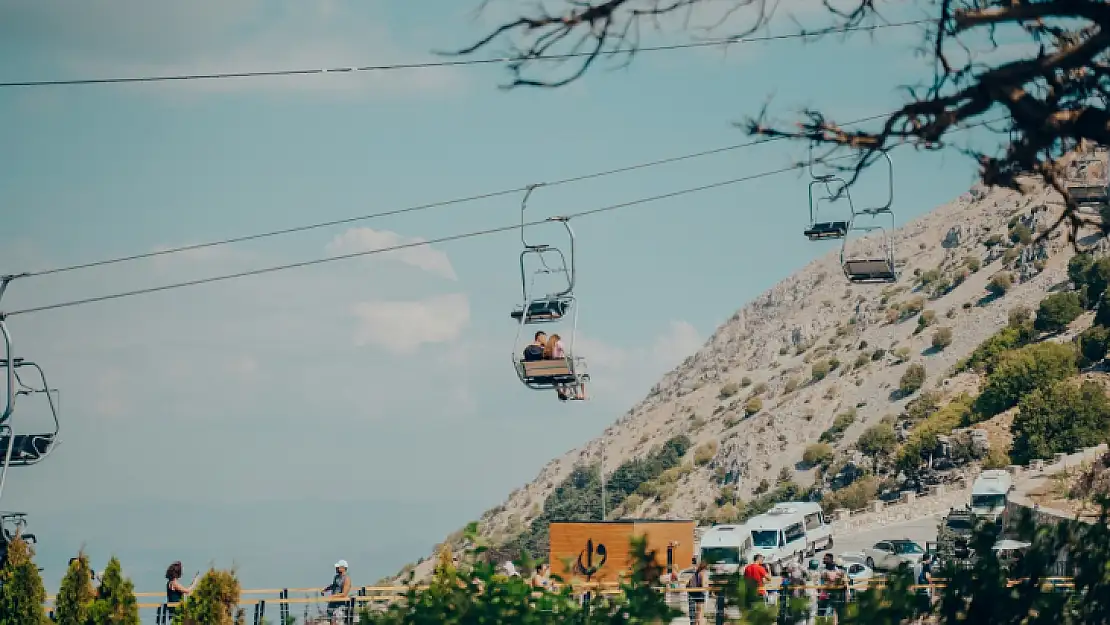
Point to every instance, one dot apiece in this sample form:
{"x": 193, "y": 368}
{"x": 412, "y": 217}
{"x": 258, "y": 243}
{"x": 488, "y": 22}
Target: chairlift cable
{"x": 444, "y": 239}
{"x": 418, "y": 207}
{"x": 433, "y": 64}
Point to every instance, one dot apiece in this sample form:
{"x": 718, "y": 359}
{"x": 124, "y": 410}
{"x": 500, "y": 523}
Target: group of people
{"x": 551, "y": 348}
{"x": 340, "y": 589}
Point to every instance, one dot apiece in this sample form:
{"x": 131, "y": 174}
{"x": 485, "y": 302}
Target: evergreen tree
{"x": 115, "y": 601}
{"x": 21, "y": 590}
{"x": 76, "y": 594}
{"x": 215, "y": 601}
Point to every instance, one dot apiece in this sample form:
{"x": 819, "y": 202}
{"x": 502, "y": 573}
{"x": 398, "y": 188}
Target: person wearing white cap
{"x": 340, "y": 588}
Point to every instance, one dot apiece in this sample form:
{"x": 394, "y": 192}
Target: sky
{"x": 365, "y": 408}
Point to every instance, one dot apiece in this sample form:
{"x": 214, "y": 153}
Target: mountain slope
{"x": 769, "y": 348}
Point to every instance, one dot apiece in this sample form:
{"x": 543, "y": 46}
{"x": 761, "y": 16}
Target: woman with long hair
{"x": 175, "y": 592}
{"x": 555, "y": 350}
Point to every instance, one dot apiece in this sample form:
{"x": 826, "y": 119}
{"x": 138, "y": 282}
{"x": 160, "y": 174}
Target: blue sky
{"x": 364, "y": 409}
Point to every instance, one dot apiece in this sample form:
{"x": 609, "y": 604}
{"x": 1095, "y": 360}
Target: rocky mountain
{"x": 816, "y": 358}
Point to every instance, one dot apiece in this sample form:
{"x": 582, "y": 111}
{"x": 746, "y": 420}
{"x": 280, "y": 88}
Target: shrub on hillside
{"x": 817, "y": 454}
{"x": 1024, "y": 370}
{"x": 1090, "y": 275}
{"x": 704, "y": 453}
{"x": 1093, "y": 344}
{"x": 1062, "y": 418}
{"x": 986, "y": 355}
{"x": 912, "y": 380}
{"x": 1021, "y": 233}
{"x": 1057, "y": 311}
{"x": 1000, "y": 283}
{"x": 819, "y": 370}
{"x": 759, "y": 389}
{"x": 853, "y": 497}
{"x": 791, "y": 385}
{"x": 21, "y": 590}
{"x": 753, "y": 406}
{"x": 1102, "y": 315}
{"x": 728, "y": 390}
{"x": 942, "y": 338}
{"x": 840, "y": 423}
{"x": 973, "y": 263}
{"x": 746, "y": 382}
{"x": 1018, "y": 315}
{"x": 877, "y": 442}
{"x": 922, "y": 441}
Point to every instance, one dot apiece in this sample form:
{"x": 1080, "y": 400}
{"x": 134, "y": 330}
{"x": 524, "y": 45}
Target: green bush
{"x": 704, "y": 453}
{"x": 912, "y": 380}
{"x": 753, "y": 406}
{"x": 791, "y": 385}
{"x": 973, "y": 263}
{"x": 1000, "y": 283}
{"x": 1057, "y": 311}
{"x": 986, "y": 356}
{"x": 923, "y": 438}
{"x": 817, "y": 454}
{"x": 21, "y": 590}
{"x": 746, "y": 382}
{"x": 820, "y": 369}
{"x": 728, "y": 390}
{"x": 1021, "y": 233}
{"x": 853, "y": 497}
{"x": 1024, "y": 370}
{"x": 1090, "y": 275}
{"x": 1061, "y": 418}
{"x": 1102, "y": 315}
{"x": 115, "y": 599}
{"x": 1018, "y": 316}
{"x": 942, "y": 338}
{"x": 1093, "y": 344}
{"x": 76, "y": 594}
{"x": 759, "y": 389}
{"x": 214, "y": 601}
{"x": 877, "y": 442}
{"x": 840, "y": 423}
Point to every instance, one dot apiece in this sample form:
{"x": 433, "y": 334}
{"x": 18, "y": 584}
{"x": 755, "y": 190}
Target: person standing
{"x": 340, "y": 587}
{"x": 696, "y": 594}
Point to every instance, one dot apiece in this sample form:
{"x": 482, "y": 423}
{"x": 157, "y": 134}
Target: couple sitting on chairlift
{"x": 544, "y": 348}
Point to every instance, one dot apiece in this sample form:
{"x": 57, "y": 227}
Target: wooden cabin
{"x": 600, "y": 551}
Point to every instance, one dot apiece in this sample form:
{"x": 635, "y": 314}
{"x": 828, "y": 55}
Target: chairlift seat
{"x": 543, "y": 311}
{"x": 827, "y": 230}
{"x": 549, "y": 373}
{"x": 866, "y": 270}
{"x": 28, "y": 448}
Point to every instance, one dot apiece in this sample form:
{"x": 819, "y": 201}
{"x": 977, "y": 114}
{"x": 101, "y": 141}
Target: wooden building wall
{"x": 569, "y": 540}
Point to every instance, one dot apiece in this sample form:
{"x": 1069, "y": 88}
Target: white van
{"x": 989, "y": 493}
{"x": 725, "y": 548}
{"x": 779, "y": 536}
{"x": 818, "y": 529}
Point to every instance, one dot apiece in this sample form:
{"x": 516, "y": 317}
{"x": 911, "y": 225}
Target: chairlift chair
{"x": 1087, "y": 193}
{"x": 834, "y": 229}
{"x": 21, "y": 450}
{"x": 553, "y": 306}
{"x": 547, "y": 374}
{"x": 873, "y": 268}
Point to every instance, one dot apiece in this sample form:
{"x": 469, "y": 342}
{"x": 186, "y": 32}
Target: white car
{"x": 889, "y": 554}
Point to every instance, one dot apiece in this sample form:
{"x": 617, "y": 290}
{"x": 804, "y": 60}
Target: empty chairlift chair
{"x": 1087, "y": 182}
{"x": 21, "y": 450}
{"x": 827, "y": 224}
{"x": 870, "y": 267}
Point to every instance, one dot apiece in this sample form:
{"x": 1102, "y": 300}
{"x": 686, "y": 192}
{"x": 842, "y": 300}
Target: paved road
{"x": 918, "y": 530}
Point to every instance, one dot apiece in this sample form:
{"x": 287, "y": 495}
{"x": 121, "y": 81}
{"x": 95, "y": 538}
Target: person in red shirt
{"x": 757, "y": 574}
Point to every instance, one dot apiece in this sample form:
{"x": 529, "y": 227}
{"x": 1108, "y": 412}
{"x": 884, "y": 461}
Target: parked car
{"x": 889, "y": 554}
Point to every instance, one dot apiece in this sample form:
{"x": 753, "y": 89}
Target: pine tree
{"x": 115, "y": 602}
{"x": 71, "y": 606}
{"x": 215, "y": 601}
{"x": 21, "y": 591}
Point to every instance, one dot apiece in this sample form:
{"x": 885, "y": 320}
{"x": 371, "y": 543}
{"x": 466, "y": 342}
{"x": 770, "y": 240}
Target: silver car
{"x": 887, "y": 555}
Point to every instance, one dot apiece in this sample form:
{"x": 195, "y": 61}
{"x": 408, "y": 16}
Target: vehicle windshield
{"x": 907, "y": 547}
{"x": 765, "y": 538}
{"x": 988, "y": 501}
{"x": 720, "y": 555}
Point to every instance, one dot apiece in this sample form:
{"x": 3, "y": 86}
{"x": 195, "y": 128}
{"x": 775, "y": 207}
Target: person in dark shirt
{"x": 535, "y": 351}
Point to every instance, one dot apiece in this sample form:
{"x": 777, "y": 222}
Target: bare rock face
{"x": 816, "y": 317}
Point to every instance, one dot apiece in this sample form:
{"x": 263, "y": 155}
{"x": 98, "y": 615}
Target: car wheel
{"x": 870, "y": 564}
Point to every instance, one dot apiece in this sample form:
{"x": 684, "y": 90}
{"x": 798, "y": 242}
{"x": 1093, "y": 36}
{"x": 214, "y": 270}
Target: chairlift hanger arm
{"x": 523, "y": 206}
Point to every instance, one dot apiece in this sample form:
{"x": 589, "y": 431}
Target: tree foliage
{"x": 115, "y": 602}
{"x": 21, "y": 591}
{"x": 1060, "y": 418}
{"x": 878, "y": 442}
{"x": 1057, "y": 311}
{"x": 986, "y": 356}
{"x": 76, "y": 594}
{"x": 1022, "y": 371}
{"x": 214, "y": 601}
{"x": 912, "y": 380}
{"x": 1093, "y": 345}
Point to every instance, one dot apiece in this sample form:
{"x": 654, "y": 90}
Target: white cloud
{"x": 677, "y": 344}
{"x": 402, "y": 327}
{"x": 423, "y": 257}
{"x": 137, "y": 37}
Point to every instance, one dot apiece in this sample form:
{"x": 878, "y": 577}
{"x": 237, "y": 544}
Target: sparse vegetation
{"x": 877, "y": 442}
{"x": 817, "y": 454}
{"x": 1057, "y": 311}
{"x": 912, "y": 380}
{"x": 942, "y": 338}
{"x": 705, "y": 453}
{"x": 840, "y": 423}
{"x": 728, "y": 390}
{"x": 753, "y": 406}
{"x": 1000, "y": 283}
{"x": 819, "y": 370}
